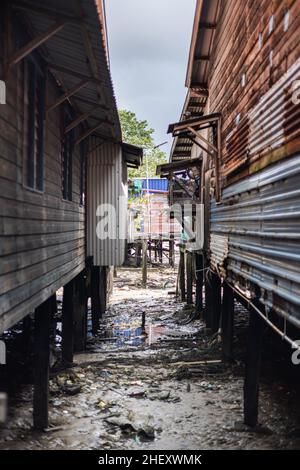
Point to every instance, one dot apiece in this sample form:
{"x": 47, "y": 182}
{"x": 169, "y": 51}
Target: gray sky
{"x": 149, "y": 42}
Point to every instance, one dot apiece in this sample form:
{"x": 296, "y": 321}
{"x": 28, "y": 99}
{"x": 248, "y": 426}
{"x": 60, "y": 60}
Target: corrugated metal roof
{"x": 78, "y": 47}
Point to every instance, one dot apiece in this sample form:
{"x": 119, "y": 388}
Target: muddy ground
{"x": 165, "y": 388}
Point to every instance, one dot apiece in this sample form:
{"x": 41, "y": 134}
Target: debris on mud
{"x": 150, "y": 384}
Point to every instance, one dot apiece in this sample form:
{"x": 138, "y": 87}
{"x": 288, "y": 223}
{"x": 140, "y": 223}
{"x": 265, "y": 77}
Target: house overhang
{"x": 132, "y": 155}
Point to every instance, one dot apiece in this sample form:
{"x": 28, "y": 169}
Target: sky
{"x": 149, "y": 42}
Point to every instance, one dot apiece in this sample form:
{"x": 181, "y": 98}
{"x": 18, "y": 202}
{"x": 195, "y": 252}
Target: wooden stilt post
{"x": 212, "y": 301}
{"x": 227, "y": 322}
{"x": 171, "y": 252}
{"x": 253, "y": 359}
{"x": 150, "y": 251}
{"x": 189, "y": 277}
{"x": 155, "y": 250}
{"x": 199, "y": 282}
{"x": 95, "y": 298}
{"x": 69, "y": 302}
{"x": 80, "y": 312}
{"x": 208, "y": 300}
{"x": 103, "y": 289}
{"x": 144, "y": 262}
{"x": 182, "y": 274}
{"x": 42, "y": 326}
{"x": 160, "y": 251}
{"x": 27, "y": 331}
{"x": 216, "y": 302}
{"x": 138, "y": 252}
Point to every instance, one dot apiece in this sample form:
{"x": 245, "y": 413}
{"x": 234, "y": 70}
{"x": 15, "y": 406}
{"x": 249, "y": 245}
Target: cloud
{"x": 149, "y": 43}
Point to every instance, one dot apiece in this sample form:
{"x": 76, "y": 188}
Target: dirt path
{"x": 131, "y": 391}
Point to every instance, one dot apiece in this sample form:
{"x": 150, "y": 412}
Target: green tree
{"x": 139, "y": 133}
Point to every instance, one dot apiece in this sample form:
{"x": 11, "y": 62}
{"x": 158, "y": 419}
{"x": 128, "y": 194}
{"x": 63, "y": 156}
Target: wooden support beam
{"x": 144, "y": 262}
{"x": 7, "y": 37}
{"x": 27, "y": 336}
{"x": 81, "y": 118}
{"x": 160, "y": 248}
{"x": 150, "y": 250}
{"x": 155, "y": 250}
{"x": 227, "y": 322}
{"x": 199, "y": 58}
{"x": 182, "y": 275}
{"x": 80, "y": 313}
{"x": 218, "y": 158}
{"x": 212, "y": 301}
{"x": 252, "y": 371}
{"x": 177, "y": 166}
{"x": 172, "y": 251}
{"x": 216, "y": 302}
{"x": 34, "y": 43}
{"x": 199, "y": 282}
{"x": 200, "y": 136}
{"x": 138, "y": 254}
{"x": 78, "y": 75}
{"x": 207, "y": 25}
{"x": 67, "y": 95}
{"x": 103, "y": 278}
{"x": 95, "y": 298}
{"x": 203, "y": 148}
{"x": 42, "y": 327}
{"x": 68, "y": 308}
{"x": 194, "y": 92}
{"x": 189, "y": 277}
{"x": 90, "y": 131}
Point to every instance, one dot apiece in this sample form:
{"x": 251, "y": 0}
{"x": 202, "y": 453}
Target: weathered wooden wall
{"x": 42, "y": 243}
{"x": 256, "y": 133}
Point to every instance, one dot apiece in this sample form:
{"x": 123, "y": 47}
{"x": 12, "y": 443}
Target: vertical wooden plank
{"x": 42, "y": 326}
{"x": 68, "y": 322}
{"x": 103, "y": 278}
{"x": 212, "y": 301}
{"x": 216, "y": 302}
{"x": 7, "y": 38}
{"x": 171, "y": 252}
{"x": 41, "y": 97}
{"x": 95, "y": 298}
{"x": 155, "y": 250}
{"x": 138, "y": 254}
{"x": 253, "y": 359}
{"x": 199, "y": 282}
{"x": 182, "y": 274}
{"x": 27, "y": 330}
{"x": 32, "y": 79}
{"x": 150, "y": 250}
{"x": 80, "y": 311}
{"x": 227, "y": 322}
{"x": 160, "y": 250}
{"x": 144, "y": 262}
{"x": 189, "y": 278}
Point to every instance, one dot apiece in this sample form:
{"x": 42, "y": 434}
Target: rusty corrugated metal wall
{"x": 254, "y": 62}
{"x": 107, "y": 184}
{"x": 259, "y": 222}
{"x": 255, "y": 228}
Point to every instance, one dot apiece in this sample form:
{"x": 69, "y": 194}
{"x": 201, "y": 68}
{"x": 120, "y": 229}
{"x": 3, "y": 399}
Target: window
{"x": 67, "y": 158}
{"x": 34, "y": 114}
